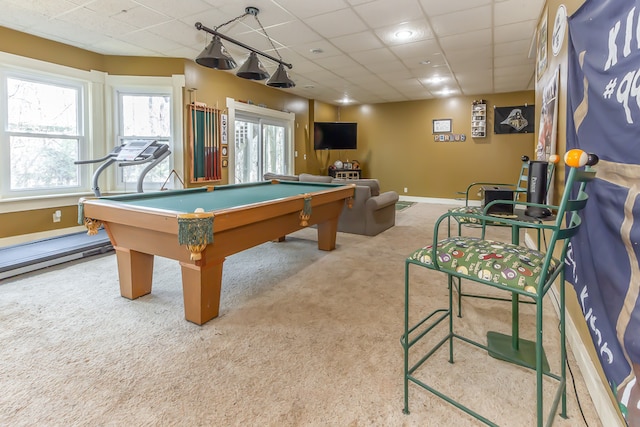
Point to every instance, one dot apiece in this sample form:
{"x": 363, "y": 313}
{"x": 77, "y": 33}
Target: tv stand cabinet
{"x": 345, "y": 173}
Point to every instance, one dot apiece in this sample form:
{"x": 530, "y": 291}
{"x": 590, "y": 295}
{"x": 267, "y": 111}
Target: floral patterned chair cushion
{"x": 515, "y": 266}
{"x": 474, "y": 210}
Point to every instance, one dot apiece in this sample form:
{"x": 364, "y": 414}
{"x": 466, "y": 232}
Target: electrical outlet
{"x": 57, "y": 216}
{"x": 406, "y": 189}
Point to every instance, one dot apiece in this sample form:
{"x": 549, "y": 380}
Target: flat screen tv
{"x": 335, "y": 136}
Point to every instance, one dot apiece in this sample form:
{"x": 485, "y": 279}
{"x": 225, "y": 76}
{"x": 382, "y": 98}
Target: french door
{"x": 260, "y": 146}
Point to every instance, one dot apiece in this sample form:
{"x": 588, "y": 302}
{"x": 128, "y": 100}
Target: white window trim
{"x": 151, "y": 85}
{"x": 233, "y": 106}
{"x": 17, "y": 66}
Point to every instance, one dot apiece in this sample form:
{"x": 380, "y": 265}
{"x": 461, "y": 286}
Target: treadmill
{"x": 38, "y": 254}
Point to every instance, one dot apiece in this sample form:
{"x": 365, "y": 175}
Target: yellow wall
{"x": 396, "y": 145}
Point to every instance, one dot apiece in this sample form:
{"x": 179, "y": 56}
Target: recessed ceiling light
{"x": 403, "y": 34}
{"x": 425, "y": 62}
{"x": 316, "y": 50}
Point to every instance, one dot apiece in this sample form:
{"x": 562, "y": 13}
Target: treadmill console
{"x": 132, "y": 150}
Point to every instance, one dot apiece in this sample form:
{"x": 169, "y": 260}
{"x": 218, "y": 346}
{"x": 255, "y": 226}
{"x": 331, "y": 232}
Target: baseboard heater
{"x": 38, "y": 254}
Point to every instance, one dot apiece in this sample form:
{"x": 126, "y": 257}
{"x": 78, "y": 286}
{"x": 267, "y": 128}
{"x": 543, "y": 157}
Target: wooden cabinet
{"x": 345, "y": 173}
{"x": 479, "y": 119}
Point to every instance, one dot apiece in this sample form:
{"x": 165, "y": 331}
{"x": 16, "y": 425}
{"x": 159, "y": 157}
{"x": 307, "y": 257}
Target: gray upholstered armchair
{"x": 372, "y": 211}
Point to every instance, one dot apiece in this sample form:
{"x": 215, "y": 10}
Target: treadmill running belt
{"x": 18, "y": 259}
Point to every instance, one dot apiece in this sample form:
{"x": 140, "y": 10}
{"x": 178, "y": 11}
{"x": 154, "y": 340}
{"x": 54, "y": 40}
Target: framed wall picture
{"x": 225, "y": 163}
{"x": 225, "y": 151}
{"x": 441, "y": 125}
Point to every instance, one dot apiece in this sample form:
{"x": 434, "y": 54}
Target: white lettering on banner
{"x": 629, "y": 85}
{"x": 613, "y": 48}
{"x": 590, "y": 318}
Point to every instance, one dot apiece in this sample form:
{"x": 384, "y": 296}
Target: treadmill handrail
{"x": 101, "y": 159}
{"x": 158, "y": 152}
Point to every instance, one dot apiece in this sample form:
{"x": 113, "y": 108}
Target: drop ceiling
{"x": 340, "y": 49}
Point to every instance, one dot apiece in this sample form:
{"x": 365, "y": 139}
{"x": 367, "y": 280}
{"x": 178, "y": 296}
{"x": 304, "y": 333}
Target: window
{"x": 43, "y": 136}
{"x": 52, "y": 116}
{"x": 144, "y": 116}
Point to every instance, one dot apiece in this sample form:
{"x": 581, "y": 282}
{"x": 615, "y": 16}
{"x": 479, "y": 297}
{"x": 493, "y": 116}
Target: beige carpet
{"x": 305, "y": 338}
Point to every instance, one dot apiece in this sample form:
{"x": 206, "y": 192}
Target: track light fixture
{"x": 216, "y": 56}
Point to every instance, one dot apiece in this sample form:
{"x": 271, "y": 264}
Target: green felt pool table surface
{"x": 223, "y": 196}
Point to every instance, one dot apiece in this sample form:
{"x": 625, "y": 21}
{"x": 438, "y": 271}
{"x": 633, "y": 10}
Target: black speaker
{"x": 492, "y": 193}
{"x": 537, "y": 189}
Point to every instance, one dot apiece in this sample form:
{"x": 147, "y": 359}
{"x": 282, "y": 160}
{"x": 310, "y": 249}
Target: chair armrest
{"x": 383, "y": 200}
{"x": 515, "y": 202}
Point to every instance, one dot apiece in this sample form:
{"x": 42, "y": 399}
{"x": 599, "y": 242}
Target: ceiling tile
{"x": 307, "y": 9}
{"x": 464, "y": 21}
{"x": 378, "y": 13}
{"x": 503, "y": 11}
{"x": 466, "y": 41}
{"x": 516, "y": 47}
{"x": 439, "y": 7}
{"x": 88, "y": 19}
{"x": 293, "y": 33}
{"x": 48, "y": 8}
{"x": 338, "y": 23}
{"x": 366, "y": 40}
{"x": 175, "y": 9}
{"x": 511, "y": 32}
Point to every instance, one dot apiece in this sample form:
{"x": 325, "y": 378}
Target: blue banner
{"x": 603, "y": 117}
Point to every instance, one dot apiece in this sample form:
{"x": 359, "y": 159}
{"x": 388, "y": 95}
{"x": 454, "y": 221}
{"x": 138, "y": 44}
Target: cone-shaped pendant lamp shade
{"x": 281, "y": 79}
{"x": 252, "y": 69}
{"x": 216, "y": 56}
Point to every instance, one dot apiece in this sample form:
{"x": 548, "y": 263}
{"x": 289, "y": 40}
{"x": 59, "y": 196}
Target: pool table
{"x": 201, "y": 226}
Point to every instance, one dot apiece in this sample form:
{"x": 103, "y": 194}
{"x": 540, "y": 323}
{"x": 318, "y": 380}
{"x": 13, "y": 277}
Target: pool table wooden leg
{"x": 201, "y": 285}
{"x": 135, "y": 270}
{"x": 327, "y": 234}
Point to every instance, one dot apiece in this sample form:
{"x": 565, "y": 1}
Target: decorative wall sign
{"x": 441, "y": 125}
{"x": 223, "y": 129}
{"x": 450, "y": 137}
{"x": 518, "y": 119}
{"x": 559, "y": 28}
{"x": 225, "y": 151}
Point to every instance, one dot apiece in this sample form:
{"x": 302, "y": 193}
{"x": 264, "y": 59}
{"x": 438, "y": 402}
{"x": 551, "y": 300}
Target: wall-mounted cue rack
{"x": 204, "y": 143}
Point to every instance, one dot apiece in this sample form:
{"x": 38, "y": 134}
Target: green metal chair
{"x": 471, "y": 220}
{"x": 519, "y": 188}
{"x": 521, "y": 271}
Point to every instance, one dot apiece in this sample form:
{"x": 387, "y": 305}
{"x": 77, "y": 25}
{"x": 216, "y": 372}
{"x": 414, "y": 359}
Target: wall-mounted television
{"x": 335, "y": 136}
